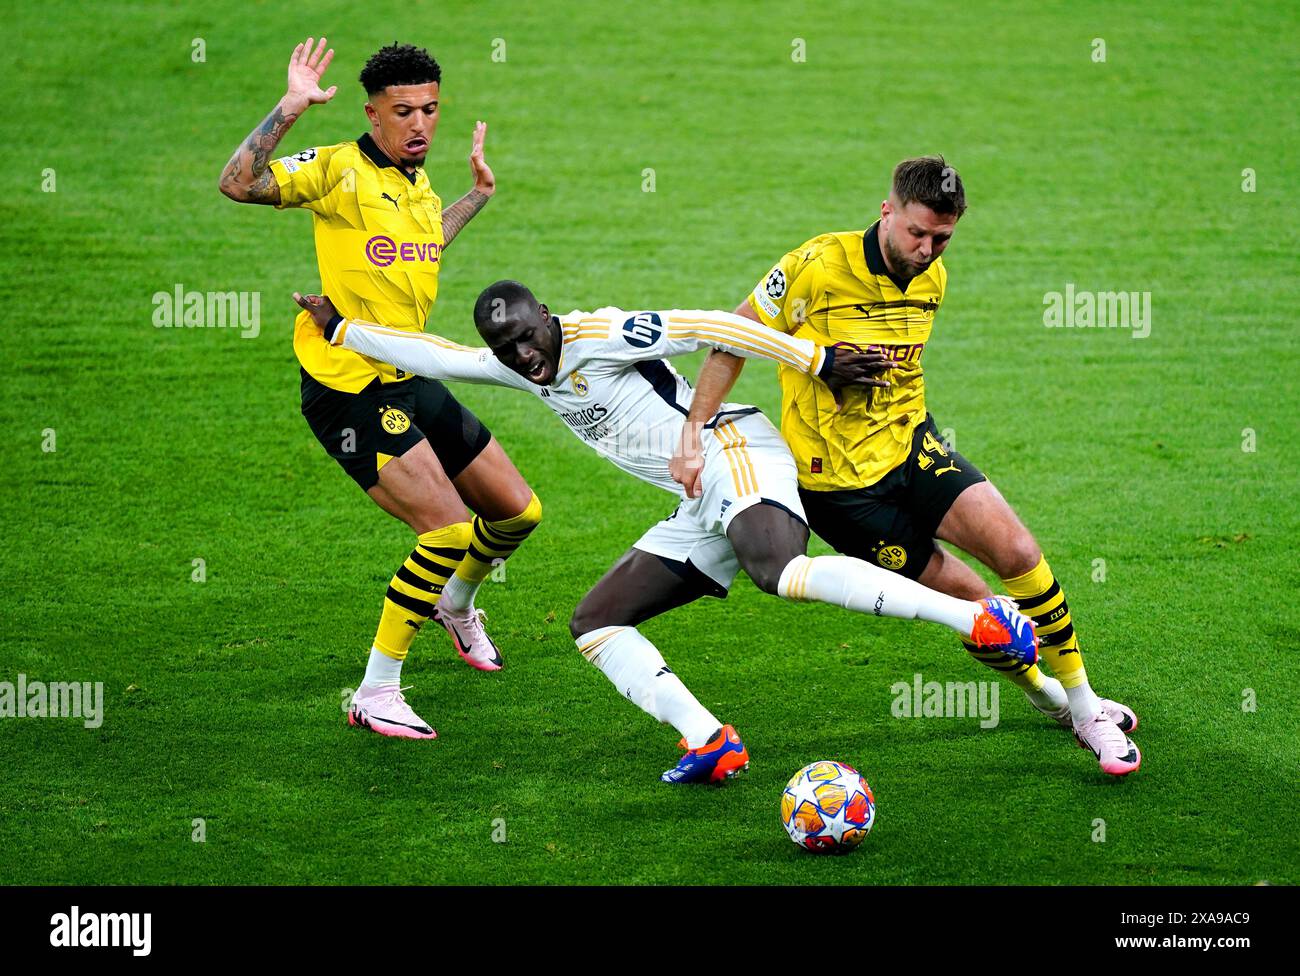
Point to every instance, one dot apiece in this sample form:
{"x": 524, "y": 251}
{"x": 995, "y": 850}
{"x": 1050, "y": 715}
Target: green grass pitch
{"x": 1171, "y": 458}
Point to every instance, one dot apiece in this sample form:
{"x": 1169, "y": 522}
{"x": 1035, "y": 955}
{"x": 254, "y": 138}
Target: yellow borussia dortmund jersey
{"x": 837, "y": 288}
{"x": 378, "y": 245}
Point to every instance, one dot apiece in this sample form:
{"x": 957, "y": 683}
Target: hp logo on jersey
{"x": 643, "y": 329}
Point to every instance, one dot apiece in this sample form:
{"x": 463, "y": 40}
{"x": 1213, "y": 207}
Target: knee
{"x": 1018, "y": 556}
{"x": 766, "y": 574}
{"x": 531, "y": 516}
{"x": 585, "y": 619}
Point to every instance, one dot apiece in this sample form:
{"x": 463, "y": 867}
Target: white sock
{"x": 1051, "y": 696}
{"x": 1084, "y": 703}
{"x": 843, "y": 581}
{"x": 638, "y": 671}
{"x": 459, "y": 593}
{"x": 382, "y": 671}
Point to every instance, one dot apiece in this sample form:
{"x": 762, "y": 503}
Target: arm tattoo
{"x": 247, "y": 169}
{"x": 459, "y": 214}
{"x": 264, "y": 189}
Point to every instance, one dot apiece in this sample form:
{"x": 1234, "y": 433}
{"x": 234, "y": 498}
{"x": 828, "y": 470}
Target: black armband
{"x": 828, "y": 363}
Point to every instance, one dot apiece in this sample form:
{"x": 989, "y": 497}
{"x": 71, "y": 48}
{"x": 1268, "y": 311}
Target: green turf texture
{"x": 223, "y": 697}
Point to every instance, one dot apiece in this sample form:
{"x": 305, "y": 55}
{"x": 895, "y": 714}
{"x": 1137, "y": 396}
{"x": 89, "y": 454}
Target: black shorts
{"x": 355, "y": 428}
{"x": 892, "y": 523}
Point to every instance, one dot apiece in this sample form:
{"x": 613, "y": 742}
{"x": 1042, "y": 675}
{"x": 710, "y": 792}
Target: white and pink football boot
{"x": 471, "y": 640}
{"x": 384, "y": 710}
{"x": 1115, "y": 751}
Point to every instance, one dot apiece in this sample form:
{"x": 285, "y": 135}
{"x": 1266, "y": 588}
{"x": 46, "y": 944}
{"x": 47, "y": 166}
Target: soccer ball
{"x": 827, "y": 807}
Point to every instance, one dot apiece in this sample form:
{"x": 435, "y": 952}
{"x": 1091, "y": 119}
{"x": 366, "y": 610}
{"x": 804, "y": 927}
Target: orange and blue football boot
{"x": 1002, "y": 627}
{"x": 721, "y": 758}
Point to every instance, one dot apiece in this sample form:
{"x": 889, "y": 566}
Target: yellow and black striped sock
{"x": 414, "y": 590}
{"x": 490, "y": 543}
{"x": 1040, "y": 597}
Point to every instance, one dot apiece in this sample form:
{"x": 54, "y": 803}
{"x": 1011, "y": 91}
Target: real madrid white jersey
{"x": 612, "y": 387}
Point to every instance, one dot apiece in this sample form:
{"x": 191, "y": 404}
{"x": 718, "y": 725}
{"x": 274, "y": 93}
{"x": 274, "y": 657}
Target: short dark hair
{"x": 931, "y": 182}
{"x": 508, "y": 293}
{"x": 399, "y": 64}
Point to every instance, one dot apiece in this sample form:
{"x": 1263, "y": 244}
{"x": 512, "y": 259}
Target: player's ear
{"x": 545, "y": 312}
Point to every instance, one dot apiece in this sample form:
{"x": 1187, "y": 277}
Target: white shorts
{"x": 745, "y": 462}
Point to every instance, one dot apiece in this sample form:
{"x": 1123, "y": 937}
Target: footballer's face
{"x": 526, "y": 340}
{"x": 912, "y": 236}
{"x": 402, "y": 120}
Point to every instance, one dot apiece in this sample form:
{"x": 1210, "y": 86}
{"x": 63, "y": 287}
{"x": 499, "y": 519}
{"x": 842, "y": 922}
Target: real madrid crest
{"x": 580, "y": 384}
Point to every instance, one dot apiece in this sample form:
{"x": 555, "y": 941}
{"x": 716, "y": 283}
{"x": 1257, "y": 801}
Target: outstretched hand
{"x": 484, "y": 180}
{"x": 306, "y": 68}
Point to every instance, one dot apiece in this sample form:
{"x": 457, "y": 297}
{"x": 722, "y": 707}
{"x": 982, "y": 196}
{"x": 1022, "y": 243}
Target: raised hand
{"x": 463, "y": 210}
{"x": 306, "y": 68}
{"x": 484, "y": 181}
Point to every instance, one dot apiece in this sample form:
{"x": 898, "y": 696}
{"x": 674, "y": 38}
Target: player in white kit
{"x": 604, "y": 374}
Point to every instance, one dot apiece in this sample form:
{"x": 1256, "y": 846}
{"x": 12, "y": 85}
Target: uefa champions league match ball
{"x": 827, "y": 807}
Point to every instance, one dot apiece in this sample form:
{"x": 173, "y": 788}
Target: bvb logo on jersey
{"x": 394, "y": 421}
{"x": 892, "y": 557}
{"x": 580, "y": 384}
